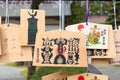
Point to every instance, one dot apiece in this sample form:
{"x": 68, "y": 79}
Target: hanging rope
{"x": 87, "y": 11}
{"x": 114, "y": 6}
{"x": 7, "y": 13}
{"x": 60, "y": 15}
{"x": 32, "y": 6}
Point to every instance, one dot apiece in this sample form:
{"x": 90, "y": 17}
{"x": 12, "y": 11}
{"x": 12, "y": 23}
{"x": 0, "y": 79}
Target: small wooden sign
{"x": 57, "y": 76}
{"x": 60, "y": 48}
{"x": 11, "y": 48}
{"x": 96, "y": 34}
{"x": 117, "y": 46}
{"x": 87, "y": 76}
{"x": 10, "y": 41}
{"x": 31, "y": 22}
{"x": 102, "y": 50}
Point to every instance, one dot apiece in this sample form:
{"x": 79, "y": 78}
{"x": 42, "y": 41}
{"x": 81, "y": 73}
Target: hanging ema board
{"x": 87, "y": 76}
{"x": 60, "y": 48}
{"x": 98, "y": 36}
{"x": 57, "y": 76}
{"x": 11, "y": 48}
{"x": 32, "y": 21}
{"x": 117, "y": 46}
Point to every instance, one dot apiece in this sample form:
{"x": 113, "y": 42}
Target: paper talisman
{"x": 60, "y": 48}
{"x": 31, "y": 22}
{"x": 98, "y": 36}
{"x": 87, "y": 76}
{"x": 57, "y": 76}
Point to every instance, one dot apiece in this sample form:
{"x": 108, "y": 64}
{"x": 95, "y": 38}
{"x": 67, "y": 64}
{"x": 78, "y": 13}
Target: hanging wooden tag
{"x": 57, "y": 76}
{"x": 98, "y": 36}
{"x": 60, "y": 48}
{"x": 10, "y": 41}
{"x": 31, "y": 22}
{"x": 111, "y": 51}
{"x": 11, "y": 48}
{"x": 87, "y": 76}
{"x": 117, "y": 46}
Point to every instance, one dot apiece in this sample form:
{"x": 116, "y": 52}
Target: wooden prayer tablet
{"x": 10, "y": 42}
{"x": 99, "y": 39}
{"x": 87, "y": 76}
{"x": 60, "y": 48}
{"x": 11, "y": 47}
{"x": 31, "y": 22}
{"x": 116, "y": 60}
{"x": 57, "y": 76}
{"x": 96, "y": 34}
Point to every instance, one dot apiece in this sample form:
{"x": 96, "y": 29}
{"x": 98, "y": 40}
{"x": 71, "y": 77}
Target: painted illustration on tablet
{"x": 54, "y": 51}
{"x": 60, "y": 58}
{"x": 94, "y": 36}
{"x": 47, "y": 50}
{"x": 32, "y": 27}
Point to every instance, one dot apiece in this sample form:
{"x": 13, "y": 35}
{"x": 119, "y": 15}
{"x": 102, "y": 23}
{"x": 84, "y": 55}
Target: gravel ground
{"x": 10, "y": 73}
{"x": 113, "y": 72}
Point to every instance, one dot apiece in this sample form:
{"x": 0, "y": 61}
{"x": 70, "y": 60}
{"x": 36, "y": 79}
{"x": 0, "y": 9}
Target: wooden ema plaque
{"x": 60, "y": 48}
{"x": 11, "y": 48}
{"x": 87, "y": 76}
{"x": 96, "y": 34}
{"x": 117, "y": 46}
{"x": 97, "y": 39}
{"x": 31, "y": 22}
{"x": 57, "y": 76}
